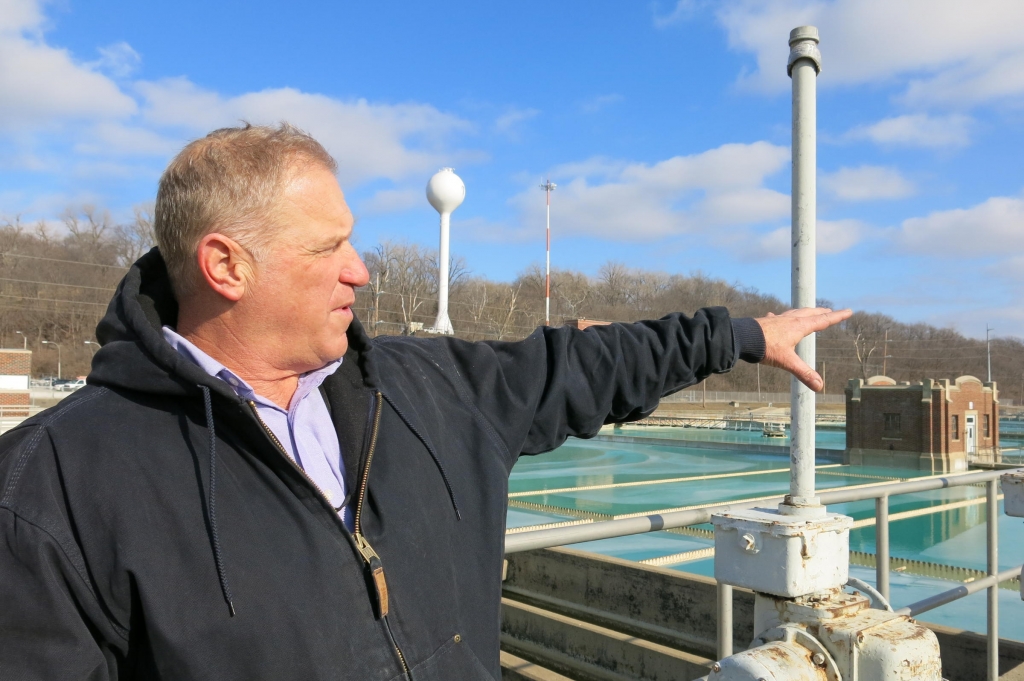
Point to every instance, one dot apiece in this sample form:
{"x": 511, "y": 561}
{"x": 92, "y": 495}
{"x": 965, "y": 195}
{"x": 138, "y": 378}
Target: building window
{"x": 892, "y": 424}
{"x": 985, "y": 426}
{"x": 955, "y": 429}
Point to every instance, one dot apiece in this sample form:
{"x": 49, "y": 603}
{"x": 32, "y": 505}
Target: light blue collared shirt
{"x": 305, "y": 430}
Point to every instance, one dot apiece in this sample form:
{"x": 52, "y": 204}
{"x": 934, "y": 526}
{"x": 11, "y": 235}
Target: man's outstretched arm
{"x": 562, "y": 382}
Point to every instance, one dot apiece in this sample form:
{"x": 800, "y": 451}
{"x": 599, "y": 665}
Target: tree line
{"x": 55, "y": 285}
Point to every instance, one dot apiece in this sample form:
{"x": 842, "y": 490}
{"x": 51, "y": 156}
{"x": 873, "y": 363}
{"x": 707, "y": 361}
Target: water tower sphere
{"x": 445, "y": 191}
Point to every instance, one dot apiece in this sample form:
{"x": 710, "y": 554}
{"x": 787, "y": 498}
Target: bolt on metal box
{"x": 783, "y": 555}
{"x": 1013, "y": 494}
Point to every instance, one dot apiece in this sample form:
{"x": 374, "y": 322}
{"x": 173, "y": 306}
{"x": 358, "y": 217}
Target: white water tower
{"x": 446, "y": 192}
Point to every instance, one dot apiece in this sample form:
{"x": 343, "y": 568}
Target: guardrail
{"x": 694, "y": 396}
{"x": 526, "y": 540}
{"x": 730, "y": 422}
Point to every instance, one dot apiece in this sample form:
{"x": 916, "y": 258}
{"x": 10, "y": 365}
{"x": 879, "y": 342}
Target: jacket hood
{"x": 134, "y": 354}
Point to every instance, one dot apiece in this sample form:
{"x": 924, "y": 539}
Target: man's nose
{"x": 355, "y": 272}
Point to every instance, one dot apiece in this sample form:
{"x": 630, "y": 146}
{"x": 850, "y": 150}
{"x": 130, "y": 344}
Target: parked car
{"x": 69, "y": 386}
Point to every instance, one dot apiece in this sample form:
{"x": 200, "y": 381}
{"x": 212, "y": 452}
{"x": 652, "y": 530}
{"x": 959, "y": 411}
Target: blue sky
{"x": 666, "y": 126}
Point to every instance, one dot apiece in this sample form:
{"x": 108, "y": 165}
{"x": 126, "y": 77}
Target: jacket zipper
{"x": 373, "y": 561}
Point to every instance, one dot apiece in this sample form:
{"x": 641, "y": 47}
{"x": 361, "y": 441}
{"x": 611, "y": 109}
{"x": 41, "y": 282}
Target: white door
{"x": 969, "y": 433}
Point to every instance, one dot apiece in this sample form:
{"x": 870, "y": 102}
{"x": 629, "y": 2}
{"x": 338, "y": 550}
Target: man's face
{"x": 304, "y": 290}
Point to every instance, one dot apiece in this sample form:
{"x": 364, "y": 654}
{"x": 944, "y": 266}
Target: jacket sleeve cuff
{"x": 748, "y": 340}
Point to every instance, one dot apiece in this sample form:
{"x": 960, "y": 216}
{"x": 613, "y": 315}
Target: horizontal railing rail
{"x": 958, "y": 592}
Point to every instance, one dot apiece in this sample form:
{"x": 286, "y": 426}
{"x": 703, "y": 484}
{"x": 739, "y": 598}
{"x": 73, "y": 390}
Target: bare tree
{"x": 860, "y": 344}
{"x": 133, "y": 239}
{"x": 504, "y": 324}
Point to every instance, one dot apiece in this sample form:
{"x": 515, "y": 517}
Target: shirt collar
{"x": 308, "y": 382}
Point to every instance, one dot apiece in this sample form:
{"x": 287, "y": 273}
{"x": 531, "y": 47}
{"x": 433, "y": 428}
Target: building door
{"x": 970, "y": 434}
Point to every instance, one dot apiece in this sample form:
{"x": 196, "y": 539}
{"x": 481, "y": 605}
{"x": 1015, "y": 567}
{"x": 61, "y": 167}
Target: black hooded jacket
{"x": 151, "y": 528}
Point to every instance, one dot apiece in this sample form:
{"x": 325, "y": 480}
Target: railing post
{"x": 992, "y": 489}
{"x": 724, "y": 621}
{"x": 882, "y": 545}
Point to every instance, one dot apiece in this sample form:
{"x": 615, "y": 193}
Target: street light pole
{"x": 24, "y": 338}
{"x": 548, "y": 187}
{"x": 46, "y": 342}
{"x": 93, "y": 343}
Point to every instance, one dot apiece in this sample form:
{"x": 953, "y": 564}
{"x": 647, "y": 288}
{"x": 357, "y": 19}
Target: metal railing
{"x": 696, "y": 396}
{"x": 526, "y": 540}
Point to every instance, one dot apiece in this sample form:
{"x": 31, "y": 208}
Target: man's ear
{"x": 226, "y": 267}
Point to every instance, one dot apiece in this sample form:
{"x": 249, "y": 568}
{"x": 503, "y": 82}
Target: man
{"x": 251, "y": 488}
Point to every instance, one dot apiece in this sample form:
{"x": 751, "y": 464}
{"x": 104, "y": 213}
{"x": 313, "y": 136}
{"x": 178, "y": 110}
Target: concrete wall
{"x": 657, "y": 609}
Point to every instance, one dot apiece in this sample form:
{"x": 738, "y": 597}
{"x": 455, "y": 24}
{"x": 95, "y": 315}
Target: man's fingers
{"x": 805, "y": 374}
{"x": 826, "y": 318}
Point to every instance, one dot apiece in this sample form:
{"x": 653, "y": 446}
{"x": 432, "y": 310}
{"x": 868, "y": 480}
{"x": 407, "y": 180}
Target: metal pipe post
{"x": 804, "y": 65}
{"x": 882, "y": 545}
{"x": 724, "y": 621}
{"x": 992, "y": 492}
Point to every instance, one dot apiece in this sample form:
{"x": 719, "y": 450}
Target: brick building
{"x": 936, "y": 425}
{"x": 15, "y": 369}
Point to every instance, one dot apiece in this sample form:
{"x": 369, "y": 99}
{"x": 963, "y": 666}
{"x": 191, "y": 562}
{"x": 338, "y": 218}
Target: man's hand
{"x": 782, "y": 333}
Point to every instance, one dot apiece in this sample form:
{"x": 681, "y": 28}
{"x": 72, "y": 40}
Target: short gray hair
{"x": 228, "y": 181}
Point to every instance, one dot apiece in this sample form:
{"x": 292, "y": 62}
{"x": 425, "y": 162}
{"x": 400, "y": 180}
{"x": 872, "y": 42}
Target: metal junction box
{"x": 1013, "y": 494}
{"x": 783, "y": 555}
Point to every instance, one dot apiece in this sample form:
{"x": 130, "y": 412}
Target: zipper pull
{"x": 376, "y": 571}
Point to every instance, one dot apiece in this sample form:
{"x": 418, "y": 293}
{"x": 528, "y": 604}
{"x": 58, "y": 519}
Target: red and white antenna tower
{"x": 548, "y": 187}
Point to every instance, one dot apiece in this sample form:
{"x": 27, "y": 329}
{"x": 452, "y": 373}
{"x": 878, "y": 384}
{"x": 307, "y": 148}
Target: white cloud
{"x": 958, "y": 53}
{"x": 833, "y": 236}
{"x": 916, "y": 130}
{"x": 68, "y": 117}
{"x": 683, "y": 10}
{"x": 20, "y": 15}
{"x": 369, "y": 140}
{"x": 114, "y": 138}
{"x": 393, "y": 201}
{"x": 43, "y": 85}
{"x": 991, "y": 228}
{"x": 836, "y": 236}
{"x": 508, "y": 122}
{"x": 639, "y": 201}
{"x": 595, "y": 104}
{"x": 867, "y": 183}
{"x": 120, "y": 60}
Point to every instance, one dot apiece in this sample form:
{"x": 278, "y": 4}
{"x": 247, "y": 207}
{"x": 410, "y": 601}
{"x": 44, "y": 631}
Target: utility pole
{"x": 988, "y": 350}
{"x": 376, "y": 305}
{"x": 885, "y": 352}
{"x": 548, "y": 187}
{"x": 46, "y": 342}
